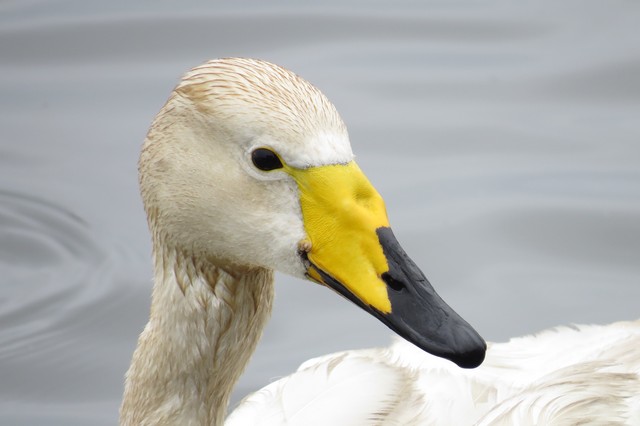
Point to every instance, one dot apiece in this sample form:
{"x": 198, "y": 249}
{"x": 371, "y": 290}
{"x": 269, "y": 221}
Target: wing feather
{"x": 568, "y": 375}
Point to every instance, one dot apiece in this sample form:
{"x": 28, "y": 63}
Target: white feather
{"x": 564, "y": 376}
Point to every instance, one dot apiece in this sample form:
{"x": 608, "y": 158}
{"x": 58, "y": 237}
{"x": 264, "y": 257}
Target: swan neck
{"x": 204, "y": 324}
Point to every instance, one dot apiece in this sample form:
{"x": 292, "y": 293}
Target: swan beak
{"x": 352, "y": 250}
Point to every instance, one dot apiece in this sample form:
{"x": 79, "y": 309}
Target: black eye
{"x": 265, "y": 159}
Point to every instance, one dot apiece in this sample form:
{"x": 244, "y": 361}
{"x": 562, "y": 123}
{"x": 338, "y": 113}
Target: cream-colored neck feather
{"x": 234, "y": 222}
{"x": 204, "y": 325}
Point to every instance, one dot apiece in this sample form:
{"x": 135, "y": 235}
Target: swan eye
{"x": 265, "y": 159}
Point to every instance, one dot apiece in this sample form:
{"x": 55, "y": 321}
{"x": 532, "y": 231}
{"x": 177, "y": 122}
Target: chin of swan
{"x": 248, "y": 169}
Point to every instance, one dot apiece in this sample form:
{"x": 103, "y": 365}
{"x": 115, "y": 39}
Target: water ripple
{"x": 51, "y": 265}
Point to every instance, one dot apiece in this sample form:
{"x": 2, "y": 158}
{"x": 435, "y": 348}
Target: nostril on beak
{"x": 393, "y": 283}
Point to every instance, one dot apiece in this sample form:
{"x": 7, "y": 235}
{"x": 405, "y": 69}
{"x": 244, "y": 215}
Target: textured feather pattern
{"x": 316, "y": 395}
{"x": 586, "y": 375}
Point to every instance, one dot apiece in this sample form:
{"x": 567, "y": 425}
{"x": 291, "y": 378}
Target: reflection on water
{"x": 504, "y": 140}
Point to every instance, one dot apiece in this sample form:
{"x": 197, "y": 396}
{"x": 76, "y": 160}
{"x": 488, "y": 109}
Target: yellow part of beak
{"x": 341, "y": 212}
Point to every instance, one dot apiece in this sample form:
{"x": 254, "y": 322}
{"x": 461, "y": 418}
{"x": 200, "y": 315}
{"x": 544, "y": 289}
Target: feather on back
{"x": 563, "y": 376}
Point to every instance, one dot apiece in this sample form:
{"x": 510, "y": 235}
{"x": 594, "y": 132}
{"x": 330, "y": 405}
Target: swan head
{"x": 250, "y": 166}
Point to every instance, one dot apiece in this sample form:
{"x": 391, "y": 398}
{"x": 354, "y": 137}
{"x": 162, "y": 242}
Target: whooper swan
{"x": 248, "y": 169}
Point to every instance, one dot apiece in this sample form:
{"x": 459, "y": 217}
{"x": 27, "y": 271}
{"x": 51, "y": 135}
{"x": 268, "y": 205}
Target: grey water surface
{"x": 504, "y": 136}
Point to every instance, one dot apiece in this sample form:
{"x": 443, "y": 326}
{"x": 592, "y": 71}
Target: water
{"x": 505, "y": 139}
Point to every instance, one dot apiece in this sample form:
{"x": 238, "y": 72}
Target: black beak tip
{"x": 471, "y": 358}
{"x": 469, "y": 352}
